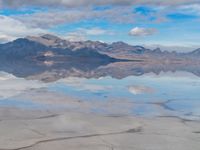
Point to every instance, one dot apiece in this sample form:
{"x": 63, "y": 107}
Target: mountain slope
{"x": 31, "y": 49}
{"x": 119, "y": 50}
{"x": 52, "y": 47}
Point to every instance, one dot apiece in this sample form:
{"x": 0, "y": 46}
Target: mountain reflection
{"x": 49, "y": 71}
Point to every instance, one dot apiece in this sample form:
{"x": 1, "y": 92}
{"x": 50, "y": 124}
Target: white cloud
{"x": 44, "y": 19}
{"x": 75, "y": 36}
{"x": 11, "y": 29}
{"x": 116, "y": 14}
{"x": 5, "y": 76}
{"x": 137, "y": 31}
{"x": 11, "y": 86}
{"x": 5, "y": 38}
{"x": 193, "y": 9}
{"x": 52, "y": 18}
{"x": 82, "y": 33}
{"x": 136, "y": 90}
{"x": 94, "y": 31}
{"x": 79, "y": 3}
{"x": 81, "y": 84}
{"x": 120, "y": 12}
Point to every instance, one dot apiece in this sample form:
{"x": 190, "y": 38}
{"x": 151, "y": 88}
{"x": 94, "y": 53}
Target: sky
{"x": 168, "y": 24}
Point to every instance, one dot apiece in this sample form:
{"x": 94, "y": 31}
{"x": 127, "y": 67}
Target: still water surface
{"x": 167, "y": 94}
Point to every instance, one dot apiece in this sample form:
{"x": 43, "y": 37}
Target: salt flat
{"x": 41, "y": 130}
{"x": 136, "y": 113}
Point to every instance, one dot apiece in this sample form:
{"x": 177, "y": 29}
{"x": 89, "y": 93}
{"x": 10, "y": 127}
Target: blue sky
{"x": 172, "y": 25}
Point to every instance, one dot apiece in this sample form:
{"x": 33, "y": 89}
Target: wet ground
{"x": 145, "y": 112}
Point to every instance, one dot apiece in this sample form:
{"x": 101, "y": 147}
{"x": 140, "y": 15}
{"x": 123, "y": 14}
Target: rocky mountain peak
{"x": 47, "y": 40}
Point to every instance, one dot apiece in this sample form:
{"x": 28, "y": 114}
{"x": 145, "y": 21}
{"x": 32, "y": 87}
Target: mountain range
{"x": 48, "y": 47}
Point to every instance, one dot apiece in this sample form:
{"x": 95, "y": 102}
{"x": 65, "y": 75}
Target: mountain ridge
{"x": 59, "y": 41}
{"x": 41, "y": 46}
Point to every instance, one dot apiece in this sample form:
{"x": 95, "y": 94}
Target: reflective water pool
{"x": 166, "y": 94}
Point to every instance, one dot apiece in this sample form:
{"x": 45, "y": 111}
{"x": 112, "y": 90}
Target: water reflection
{"x": 52, "y": 71}
{"x": 139, "y": 89}
{"x": 11, "y": 85}
{"x": 128, "y": 88}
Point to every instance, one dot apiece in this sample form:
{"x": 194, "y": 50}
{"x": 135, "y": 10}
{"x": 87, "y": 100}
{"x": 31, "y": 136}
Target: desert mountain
{"x": 52, "y": 47}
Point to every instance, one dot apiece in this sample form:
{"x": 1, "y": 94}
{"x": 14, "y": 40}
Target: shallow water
{"x": 106, "y": 90}
{"x": 174, "y": 93}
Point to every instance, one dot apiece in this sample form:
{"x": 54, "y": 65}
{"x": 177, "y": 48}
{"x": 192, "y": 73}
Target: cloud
{"x": 94, "y": 31}
{"x": 75, "y": 36}
{"x": 5, "y": 38}
{"x": 115, "y": 14}
{"x": 136, "y": 90}
{"x": 11, "y": 86}
{"x": 137, "y": 31}
{"x": 193, "y": 9}
{"x": 12, "y": 29}
{"x": 86, "y": 3}
{"x": 82, "y": 85}
{"x": 82, "y": 33}
{"x": 63, "y": 12}
{"x": 44, "y": 19}
{"x": 5, "y": 76}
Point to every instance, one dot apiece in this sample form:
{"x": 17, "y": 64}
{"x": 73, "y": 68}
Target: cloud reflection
{"x": 12, "y": 86}
{"x": 82, "y": 84}
{"x": 139, "y": 89}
